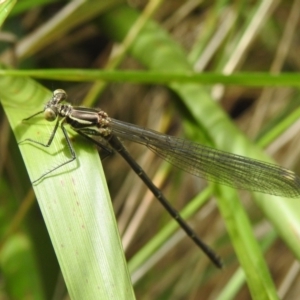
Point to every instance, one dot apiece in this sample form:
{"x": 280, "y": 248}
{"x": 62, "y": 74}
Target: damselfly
{"x": 214, "y": 165}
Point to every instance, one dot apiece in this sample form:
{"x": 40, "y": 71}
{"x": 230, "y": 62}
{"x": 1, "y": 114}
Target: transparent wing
{"x": 214, "y": 165}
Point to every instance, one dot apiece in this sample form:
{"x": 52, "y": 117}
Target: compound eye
{"x": 50, "y": 114}
{"x": 60, "y": 93}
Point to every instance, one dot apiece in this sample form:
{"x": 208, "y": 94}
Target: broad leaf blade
{"x": 74, "y": 199}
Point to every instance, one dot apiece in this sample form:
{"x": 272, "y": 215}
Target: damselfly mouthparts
{"x": 214, "y": 165}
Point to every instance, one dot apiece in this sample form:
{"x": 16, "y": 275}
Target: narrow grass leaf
{"x": 74, "y": 199}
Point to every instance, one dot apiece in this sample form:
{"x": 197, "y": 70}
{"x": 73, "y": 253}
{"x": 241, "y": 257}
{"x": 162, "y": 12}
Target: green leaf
{"x": 74, "y": 199}
{"x": 5, "y": 8}
{"x": 160, "y": 77}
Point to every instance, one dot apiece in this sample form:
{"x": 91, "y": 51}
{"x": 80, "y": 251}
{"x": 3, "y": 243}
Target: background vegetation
{"x": 66, "y": 244}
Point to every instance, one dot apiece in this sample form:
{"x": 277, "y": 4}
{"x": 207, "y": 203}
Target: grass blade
{"x": 74, "y": 200}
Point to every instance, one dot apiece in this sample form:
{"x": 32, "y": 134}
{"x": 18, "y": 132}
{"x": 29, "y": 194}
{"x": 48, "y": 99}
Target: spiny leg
{"x": 69, "y": 144}
{"x": 50, "y": 139}
{"x": 107, "y": 152}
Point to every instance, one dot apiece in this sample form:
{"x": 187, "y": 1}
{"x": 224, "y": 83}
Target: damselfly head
{"x": 51, "y": 109}
{"x": 50, "y": 113}
{"x": 59, "y": 95}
